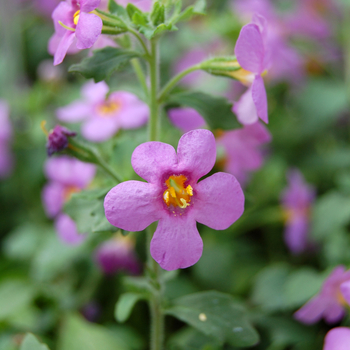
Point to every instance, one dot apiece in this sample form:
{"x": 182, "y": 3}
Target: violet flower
{"x": 118, "y": 254}
{"x": 173, "y": 197}
{"x": 337, "y": 339}
{"x": 143, "y": 5}
{"x": 186, "y": 119}
{"x": 57, "y": 139}
{"x": 103, "y": 116}
{"x": 253, "y": 57}
{"x": 243, "y": 153}
{"x": 74, "y": 21}
{"x": 6, "y": 158}
{"x": 297, "y": 200}
{"x": 329, "y": 302}
{"x": 66, "y": 176}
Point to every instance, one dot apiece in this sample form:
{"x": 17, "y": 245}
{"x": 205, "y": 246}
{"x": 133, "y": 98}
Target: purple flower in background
{"x": 118, "y": 254}
{"x": 46, "y": 6}
{"x": 243, "y": 153}
{"x": 74, "y": 21}
{"x": 297, "y": 200}
{"x": 103, "y": 116}
{"x": 329, "y": 302}
{"x": 253, "y": 57}
{"x": 6, "y": 159}
{"x": 337, "y": 339}
{"x": 66, "y": 176}
{"x": 173, "y": 197}
{"x": 143, "y": 5}
{"x": 186, "y": 119}
{"x": 57, "y": 139}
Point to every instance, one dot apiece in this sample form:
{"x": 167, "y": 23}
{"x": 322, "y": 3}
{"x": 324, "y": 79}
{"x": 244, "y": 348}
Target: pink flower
{"x": 103, "y": 116}
{"x": 73, "y": 20}
{"x": 118, "y": 254}
{"x": 329, "y": 303}
{"x": 297, "y": 200}
{"x": 186, "y": 119}
{"x": 173, "y": 197}
{"x": 337, "y": 339}
{"x": 66, "y": 176}
{"x": 254, "y": 58}
{"x": 242, "y": 148}
{"x": 6, "y": 159}
{"x": 143, "y": 5}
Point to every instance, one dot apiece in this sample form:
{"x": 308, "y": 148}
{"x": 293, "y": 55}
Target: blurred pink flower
{"x": 6, "y": 157}
{"x": 243, "y": 150}
{"x": 329, "y": 303}
{"x": 143, "y": 5}
{"x": 297, "y": 200}
{"x": 186, "y": 119}
{"x": 66, "y": 176}
{"x": 103, "y": 116}
{"x": 173, "y": 197}
{"x": 337, "y": 339}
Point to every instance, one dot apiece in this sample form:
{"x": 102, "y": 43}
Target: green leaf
{"x": 125, "y": 304}
{"x": 158, "y": 14}
{"x": 200, "y": 7}
{"x": 132, "y": 9}
{"x": 116, "y": 9}
{"x": 31, "y": 343}
{"x": 215, "y": 314}
{"x": 78, "y": 334}
{"x": 138, "y": 285}
{"x": 103, "y": 63}
{"x": 14, "y": 295}
{"x": 216, "y": 111}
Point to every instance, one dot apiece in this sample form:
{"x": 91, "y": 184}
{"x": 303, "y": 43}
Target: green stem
{"x": 171, "y": 84}
{"x": 140, "y": 75}
{"x": 137, "y": 36}
{"x": 108, "y": 169}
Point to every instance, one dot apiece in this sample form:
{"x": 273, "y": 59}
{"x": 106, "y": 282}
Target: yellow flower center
{"x": 108, "y": 108}
{"x": 76, "y": 17}
{"x": 68, "y": 191}
{"x": 341, "y": 300}
{"x": 176, "y": 194}
{"x": 243, "y": 76}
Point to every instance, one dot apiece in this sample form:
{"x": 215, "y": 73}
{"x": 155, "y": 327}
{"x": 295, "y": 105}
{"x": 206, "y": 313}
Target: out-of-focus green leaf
{"x": 31, "y": 343}
{"x": 125, "y": 304}
{"x": 14, "y": 295}
{"x": 215, "y": 314}
{"x": 103, "y": 63}
{"x": 158, "y": 14}
{"x": 78, "y": 334}
{"x": 216, "y": 111}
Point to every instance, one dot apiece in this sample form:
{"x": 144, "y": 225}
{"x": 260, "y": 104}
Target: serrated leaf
{"x": 31, "y": 343}
{"x": 125, "y": 304}
{"x": 217, "y": 111}
{"x": 103, "y": 63}
{"x": 215, "y": 314}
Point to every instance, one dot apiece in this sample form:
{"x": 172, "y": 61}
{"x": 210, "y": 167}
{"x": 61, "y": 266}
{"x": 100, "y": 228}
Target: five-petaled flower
{"x": 73, "y": 20}
{"x": 173, "y": 197}
{"x": 254, "y": 59}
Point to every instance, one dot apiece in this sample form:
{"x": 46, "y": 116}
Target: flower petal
{"x": 89, "y": 5}
{"x": 151, "y": 160}
{"x": 133, "y": 205}
{"x": 94, "y": 93}
{"x": 312, "y": 311}
{"x": 74, "y": 112}
{"x": 67, "y": 230}
{"x": 88, "y": 29}
{"x": 63, "y": 47}
{"x": 337, "y": 339}
{"x": 218, "y": 201}
{"x": 333, "y": 313}
{"x": 295, "y": 234}
{"x": 196, "y": 153}
{"x": 186, "y": 119}
{"x": 99, "y": 129}
{"x": 260, "y": 98}
{"x": 245, "y": 109}
{"x": 64, "y": 13}
{"x": 53, "y": 198}
{"x": 134, "y": 117}
{"x": 345, "y": 290}
{"x": 176, "y": 244}
{"x": 249, "y": 49}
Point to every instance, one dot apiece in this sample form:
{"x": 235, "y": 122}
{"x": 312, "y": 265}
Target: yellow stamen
{"x": 242, "y": 75}
{"x": 76, "y": 17}
{"x": 43, "y": 128}
{"x": 108, "y": 108}
{"x": 66, "y": 27}
{"x": 177, "y": 194}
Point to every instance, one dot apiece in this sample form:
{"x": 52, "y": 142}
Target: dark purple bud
{"x": 57, "y": 139}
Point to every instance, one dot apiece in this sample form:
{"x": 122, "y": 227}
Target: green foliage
{"x": 31, "y": 343}
{"x": 103, "y": 63}
{"x": 125, "y": 304}
{"x": 216, "y": 111}
{"x": 217, "y": 315}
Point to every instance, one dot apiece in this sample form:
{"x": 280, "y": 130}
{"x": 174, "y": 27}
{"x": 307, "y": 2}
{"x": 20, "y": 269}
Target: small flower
{"x": 253, "y": 57}
{"x": 173, "y": 197}
{"x": 6, "y": 159}
{"x": 104, "y": 115}
{"x": 297, "y": 200}
{"x": 329, "y": 303}
{"x": 57, "y": 139}
{"x": 66, "y": 176}
{"x": 337, "y": 339}
{"x": 242, "y": 149}
{"x": 117, "y": 254}
{"x": 186, "y": 119}
{"x": 74, "y": 21}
